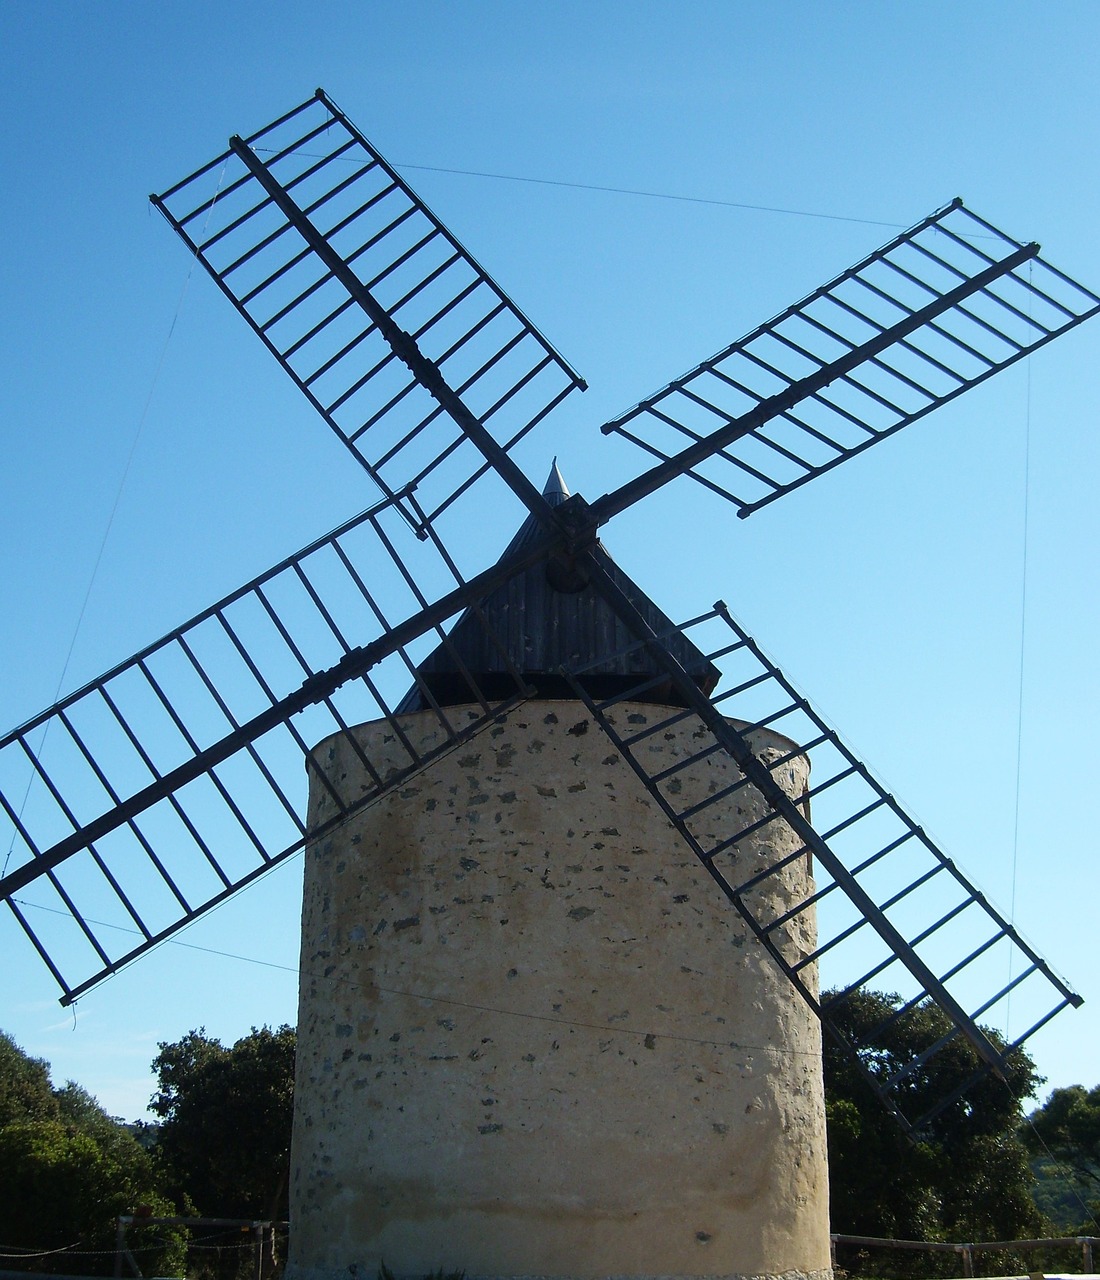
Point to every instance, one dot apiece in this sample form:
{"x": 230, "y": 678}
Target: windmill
{"x": 170, "y": 783}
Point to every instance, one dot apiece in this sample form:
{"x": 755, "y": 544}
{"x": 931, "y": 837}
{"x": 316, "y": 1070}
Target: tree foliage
{"x": 226, "y": 1119}
{"x": 1063, "y": 1136}
{"x": 1067, "y": 1126}
{"x": 968, "y": 1178}
{"x": 25, "y": 1090}
{"x": 67, "y": 1170}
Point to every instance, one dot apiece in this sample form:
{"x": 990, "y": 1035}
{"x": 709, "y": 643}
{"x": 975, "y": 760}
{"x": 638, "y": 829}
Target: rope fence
{"x": 261, "y": 1240}
{"x": 1087, "y": 1245}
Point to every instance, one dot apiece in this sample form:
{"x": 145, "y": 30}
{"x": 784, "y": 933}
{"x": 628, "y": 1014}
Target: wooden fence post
{"x": 120, "y": 1244}
{"x": 257, "y": 1251}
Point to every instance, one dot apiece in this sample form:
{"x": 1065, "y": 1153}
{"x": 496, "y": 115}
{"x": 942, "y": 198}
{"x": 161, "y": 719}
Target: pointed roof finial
{"x": 555, "y": 489}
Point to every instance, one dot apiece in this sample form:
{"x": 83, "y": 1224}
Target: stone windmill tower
{"x": 514, "y": 1058}
{"x": 530, "y": 1040}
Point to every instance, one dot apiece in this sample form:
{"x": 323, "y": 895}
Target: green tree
{"x": 968, "y": 1178}
{"x": 1063, "y": 1136}
{"x": 1067, "y": 1126}
{"x": 67, "y": 1170}
{"x": 25, "y": 1090}
{"x": 226, "y": 1119}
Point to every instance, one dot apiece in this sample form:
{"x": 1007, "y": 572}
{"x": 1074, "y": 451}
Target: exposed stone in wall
{"x": 533, "y": 1037}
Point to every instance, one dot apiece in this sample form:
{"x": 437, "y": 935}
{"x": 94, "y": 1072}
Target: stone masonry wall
{"x": 534, "y": 1039}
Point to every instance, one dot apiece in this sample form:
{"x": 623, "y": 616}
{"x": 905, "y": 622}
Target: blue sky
{"x": 890, "y": 590}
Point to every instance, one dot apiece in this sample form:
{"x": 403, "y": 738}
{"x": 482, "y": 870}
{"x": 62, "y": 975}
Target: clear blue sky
{"x": 890, "y": 590}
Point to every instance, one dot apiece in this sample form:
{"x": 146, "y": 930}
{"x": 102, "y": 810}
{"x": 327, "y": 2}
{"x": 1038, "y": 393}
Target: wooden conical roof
{"x": 531, "y": 627}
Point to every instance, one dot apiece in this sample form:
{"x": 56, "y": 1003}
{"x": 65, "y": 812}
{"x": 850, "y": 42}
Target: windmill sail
{"x": 893, "y": 912}
{"x": 155, "y": 792}
{"x": 933, "y": 313}
{"x": 364, "y": 297}
{"x": 158, "y": 790}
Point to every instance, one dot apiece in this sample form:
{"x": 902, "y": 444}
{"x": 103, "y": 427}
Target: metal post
{"x": 1086, "y": 1255}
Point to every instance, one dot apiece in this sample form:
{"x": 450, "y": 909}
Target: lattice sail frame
{"x": 938, "y": 310}
{"x": 430, "y": 375}
{"x": 303, "y": 223}
{"x": 177, "y": 778}
{"x": 884, "y": 895}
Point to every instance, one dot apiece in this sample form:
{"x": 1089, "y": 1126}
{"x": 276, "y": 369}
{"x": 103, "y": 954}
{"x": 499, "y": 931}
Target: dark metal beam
{"x": 761, "y": 778}
{"x": 317, "y": 687}
{"x": 656, "y": 477}
{"x": 426, "y": 371}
